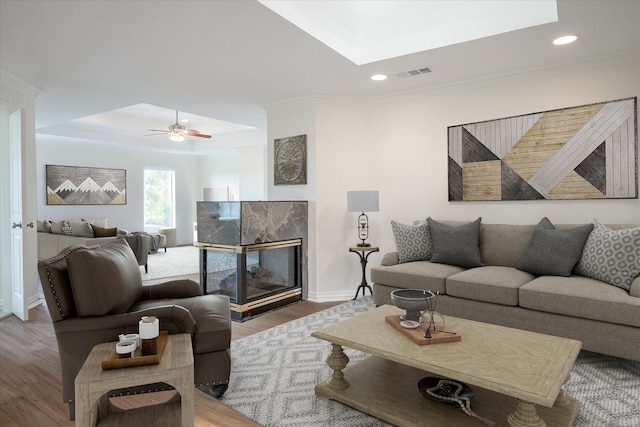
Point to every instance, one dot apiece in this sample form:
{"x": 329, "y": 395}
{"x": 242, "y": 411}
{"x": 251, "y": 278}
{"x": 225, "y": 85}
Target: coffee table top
{"x": 526, "y": 365}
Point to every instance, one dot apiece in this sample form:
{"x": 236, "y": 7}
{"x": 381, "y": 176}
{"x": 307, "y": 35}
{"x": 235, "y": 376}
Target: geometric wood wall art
{"x": 585, "y": 152}
{"x": 72, "y": 185}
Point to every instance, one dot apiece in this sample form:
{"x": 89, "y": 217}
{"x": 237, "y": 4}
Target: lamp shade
{"x": 362, "y": 201}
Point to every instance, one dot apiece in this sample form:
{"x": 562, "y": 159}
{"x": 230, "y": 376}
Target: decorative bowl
{"x": 413, "y": 301}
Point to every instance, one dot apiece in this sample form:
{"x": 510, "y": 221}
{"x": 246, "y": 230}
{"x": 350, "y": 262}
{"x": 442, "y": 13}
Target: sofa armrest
{"x": 184, "y": 288}
{"x": 635, "y": 288}
{"x": 390, "y": 258}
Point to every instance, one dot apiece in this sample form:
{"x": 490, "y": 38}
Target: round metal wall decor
{"x": 290, "y": 160}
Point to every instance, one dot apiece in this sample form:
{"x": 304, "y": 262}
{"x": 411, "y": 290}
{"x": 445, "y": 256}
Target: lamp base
{"x": 363, "y": 245}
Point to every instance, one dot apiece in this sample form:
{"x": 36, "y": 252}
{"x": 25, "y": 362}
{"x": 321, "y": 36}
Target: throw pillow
{"x": 44, "y": 226}
{"x": 104, "y": 280}
{"x": 413, "y": 242}
{"x": 56, "y": 227}
{"x": 456, "y": 245}
{"x": 554, "y": 252}
{"x": 612, "y": 256}
{"x": 81, "y": 229}
{"x": 100, "y": 222}
{"x": 104, "y": 232}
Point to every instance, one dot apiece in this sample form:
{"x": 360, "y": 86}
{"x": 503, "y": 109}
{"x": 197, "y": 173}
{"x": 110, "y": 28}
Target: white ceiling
{"x": 226, "y": 60}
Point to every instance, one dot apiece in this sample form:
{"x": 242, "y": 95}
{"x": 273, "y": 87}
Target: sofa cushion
{"x": 44, "y": 226}
{"x": 211, "y": 314}
{"x": 612, "y": 256}
{"x": 81, "y": 229}
{"x": 495, "y": 284}
{"x": 57, "y": 227}
{"x": 504, "y": 244}
{"x": 456, "y": 245}
{"x": 554, "y": 252}
{"x": 104, "y": 232}
{"x": 413, "y": 242}
{"x": 415, "y": 275}
{"x": 581, "y": 297}
{"x": 104, "y": 280}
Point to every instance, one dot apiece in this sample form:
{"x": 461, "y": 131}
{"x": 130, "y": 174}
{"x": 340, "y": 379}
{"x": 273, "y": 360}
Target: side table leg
{"x": 337, "y": 361}
{"x": 525, "y": 415}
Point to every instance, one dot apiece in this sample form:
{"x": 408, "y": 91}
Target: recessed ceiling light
{"x": 379, "y": 77}
{"x": 560, "y": 41}
{"x": 184, "y": 120}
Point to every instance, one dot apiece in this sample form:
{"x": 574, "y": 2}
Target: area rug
{"x": 273, "y": 374}
{"x": 177, "y": 261}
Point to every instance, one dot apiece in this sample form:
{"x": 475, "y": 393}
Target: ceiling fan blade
{"x": 199, "y": 135}
{"x": 152, "y": 134}
{"x": 158, "y": 130}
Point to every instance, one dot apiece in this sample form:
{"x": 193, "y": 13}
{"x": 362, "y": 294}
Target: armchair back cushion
{"x": 104, "y": 280}
{"x": 56, "y": 285}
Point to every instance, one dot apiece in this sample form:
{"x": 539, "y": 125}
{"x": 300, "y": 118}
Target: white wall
{"x": 398, "y": 145}
{"x": 134, "y": 161}
{"x": 408, "y": 145}
{"x": 241, "y": 169}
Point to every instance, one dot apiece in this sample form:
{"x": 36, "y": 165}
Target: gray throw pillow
{"x": 413, "y": 242}
{"x": 81, "y": 229}
{"x": 612, "y": 256}
{"x": 57, "y": 227}
{"x": 554, "y": 252}
{"x": 456, "y": 245}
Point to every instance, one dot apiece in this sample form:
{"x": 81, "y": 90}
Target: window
{"x": 159, "y": 200}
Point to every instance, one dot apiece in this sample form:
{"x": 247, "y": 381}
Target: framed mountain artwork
{"x": 73, "y": 185}
{"x": 584, "y": 152}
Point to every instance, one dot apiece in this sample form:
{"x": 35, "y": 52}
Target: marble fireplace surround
{"x": 244, "y": 223}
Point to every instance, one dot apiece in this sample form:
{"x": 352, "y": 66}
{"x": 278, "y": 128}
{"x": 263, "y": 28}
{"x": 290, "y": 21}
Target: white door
{"x": 18, "y": 300}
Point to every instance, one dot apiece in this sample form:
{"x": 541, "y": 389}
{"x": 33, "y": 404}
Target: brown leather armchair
{"x": 95, "y": 294}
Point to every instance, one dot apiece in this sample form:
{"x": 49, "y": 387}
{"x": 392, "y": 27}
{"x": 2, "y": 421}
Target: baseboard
{"x": 330, "y": 296}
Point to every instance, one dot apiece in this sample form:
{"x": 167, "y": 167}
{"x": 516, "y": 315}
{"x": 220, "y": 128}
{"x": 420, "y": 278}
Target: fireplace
{"x": 253, "y": 252}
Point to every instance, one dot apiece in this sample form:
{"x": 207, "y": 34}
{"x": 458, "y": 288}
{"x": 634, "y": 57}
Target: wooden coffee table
{"x": 517, "y": 376}
{"x": 175, "y": 368}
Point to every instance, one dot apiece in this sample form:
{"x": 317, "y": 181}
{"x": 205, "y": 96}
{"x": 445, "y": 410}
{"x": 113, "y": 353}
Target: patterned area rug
{"x": 274, "y": 372}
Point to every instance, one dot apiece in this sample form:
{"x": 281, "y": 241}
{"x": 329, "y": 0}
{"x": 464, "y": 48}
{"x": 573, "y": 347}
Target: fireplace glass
{"x": 254, "y": 277}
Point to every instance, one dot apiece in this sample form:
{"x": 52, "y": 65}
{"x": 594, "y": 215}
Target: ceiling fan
{"x": 178, "y": 133}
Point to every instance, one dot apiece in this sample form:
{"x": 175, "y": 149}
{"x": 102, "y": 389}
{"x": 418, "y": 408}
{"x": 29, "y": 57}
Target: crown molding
{"x": 16, "y": 83}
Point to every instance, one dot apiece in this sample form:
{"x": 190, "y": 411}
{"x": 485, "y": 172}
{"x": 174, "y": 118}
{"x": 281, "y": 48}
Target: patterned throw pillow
{"x": 413, "y": 242}
{"x": 612, "y": 256}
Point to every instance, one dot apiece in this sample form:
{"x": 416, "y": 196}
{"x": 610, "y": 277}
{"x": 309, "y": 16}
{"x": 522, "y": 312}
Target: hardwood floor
{"x": 30, "y": 380}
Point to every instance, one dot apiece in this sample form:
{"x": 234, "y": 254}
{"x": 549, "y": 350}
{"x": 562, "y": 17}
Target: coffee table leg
{"x": 525, "y": 415}
{"x": 337, "y": 361}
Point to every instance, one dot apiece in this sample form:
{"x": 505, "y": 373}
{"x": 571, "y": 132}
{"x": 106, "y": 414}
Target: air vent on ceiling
{"x": 417, "y": 72}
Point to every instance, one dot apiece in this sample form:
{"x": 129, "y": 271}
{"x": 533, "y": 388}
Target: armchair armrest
{"x": 184, "y": 288}
{"x": 174, "y": 318}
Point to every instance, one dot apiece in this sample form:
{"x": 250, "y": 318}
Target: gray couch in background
{"x": 604, "y": 317}
{"x": 50, "y": 245}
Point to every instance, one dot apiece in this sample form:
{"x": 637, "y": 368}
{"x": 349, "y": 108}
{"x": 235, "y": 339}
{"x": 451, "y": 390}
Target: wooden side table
{"x": 175, "y": 368}
{"x": 363, "y": 252}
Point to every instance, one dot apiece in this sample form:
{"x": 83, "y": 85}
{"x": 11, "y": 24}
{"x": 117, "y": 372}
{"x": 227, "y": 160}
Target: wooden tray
{"x": 138, "y": 359}
{"x": 417, "y": 334}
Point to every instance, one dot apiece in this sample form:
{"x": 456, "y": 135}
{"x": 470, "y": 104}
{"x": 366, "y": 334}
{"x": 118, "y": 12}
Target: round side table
{"x": 363, "y": 252}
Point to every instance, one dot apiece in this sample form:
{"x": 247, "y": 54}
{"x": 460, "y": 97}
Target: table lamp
{"x": 362, "y": 201}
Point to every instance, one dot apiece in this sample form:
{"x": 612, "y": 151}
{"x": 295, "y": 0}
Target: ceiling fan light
{"x": 176, "y": 137}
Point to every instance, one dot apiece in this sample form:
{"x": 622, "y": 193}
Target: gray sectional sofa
{"x": 606, "y": 318}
